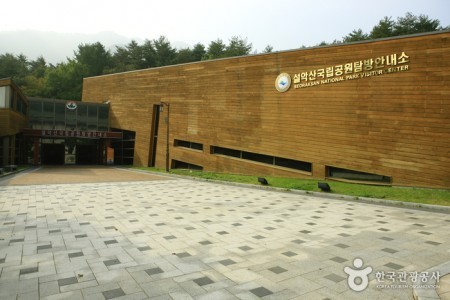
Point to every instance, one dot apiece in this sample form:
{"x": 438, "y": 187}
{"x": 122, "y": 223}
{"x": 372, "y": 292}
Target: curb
{"x": 376, "y": 201}
{"x": 2, "y": 176}
{"x": 431, "y": 294}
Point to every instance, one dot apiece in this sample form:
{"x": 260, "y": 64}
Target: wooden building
{"x": 375, "y": 111}
{"x": 13, "y": 118}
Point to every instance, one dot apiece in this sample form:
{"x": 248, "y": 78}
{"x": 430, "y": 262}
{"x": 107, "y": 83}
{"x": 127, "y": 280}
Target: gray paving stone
{"x": 29, "y": 270}
{"x": 203, "y": 281}
{"x": 154, "y": 271}
{"x": 67, "y": 281}
{"x": 113, "y": 293}
{"x": 185, "y": 239}
{"x": 261, "y": 292}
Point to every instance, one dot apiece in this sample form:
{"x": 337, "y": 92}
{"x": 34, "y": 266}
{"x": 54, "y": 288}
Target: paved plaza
{"x": 141, "y": 236}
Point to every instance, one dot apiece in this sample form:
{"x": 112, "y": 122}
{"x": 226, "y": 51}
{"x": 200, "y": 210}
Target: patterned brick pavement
{"x": 184, "y": 239}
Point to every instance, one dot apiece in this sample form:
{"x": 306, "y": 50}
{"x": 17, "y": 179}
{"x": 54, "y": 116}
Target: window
{"x": 82, "y": 117}
{"x": 92, "y": 117}
{"x": 263, "y": 158}
{"x": 225, "y": 151}
{"x": 190, "y": 145}
{"x": 177, "y": 164}
{"x": 60, "y": 116}
{"x": 293, "y": 164}
{"x": 3, "y": 95}
{"x": 103, "y": 120}
{"x": 48, "y": 115}
{"x": 124, "y": 148}
{"x": 339, "y": 173}
{"x": 35, "y": 114}
{"x": 21, "y": 106}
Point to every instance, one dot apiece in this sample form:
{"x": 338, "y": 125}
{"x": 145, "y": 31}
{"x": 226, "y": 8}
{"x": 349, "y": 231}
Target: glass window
{"x": 92, "y": 117}
{"x": 356, "y": 175}
{"x": 11, "y": 98}
{"x": 48, "y": 115}
{"x": 187, "y": 144}
{"x": 71, "y": 119}
{"x": 3, "y": 93}
{"x": 263, "y": 158}
{"x": 82, "y": 117}
{"x": 293, "y": 164}
{"x": 103, "y": 118}
{"x": 266, "y": 159}
{"x": 226, "y": 151}
{"x": 21, "y": 105}
{"x": 178, "y": 164}
{"x": 35, "y": 114}
{"x": 60, "y": 116}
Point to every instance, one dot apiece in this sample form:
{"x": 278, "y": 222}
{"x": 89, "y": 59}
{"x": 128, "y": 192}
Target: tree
{"x": 38, "y": 67}
{"x": 135, "y": 55}
{"x": 148, "y": 54}
{"x": 65, "y": 80}
{"x": 268, "y": 49}
{"x": 15, "y": 67}
{"x": 216, "y": 49}
{"x": 184, "y": 55}
{"x": 164, "y": 53}
{"x": 127, "y": 58}
{"x": 410, "y": 24}
{"x": 385, "y": 28}
{"x": 355, "y": 35}
{"x": 34, "y": 83}
{"x": 198, "y": 52}
{"x": 121, "y": 61}
{"x": 238, "y": 47}
{"x": 94, "y": 57}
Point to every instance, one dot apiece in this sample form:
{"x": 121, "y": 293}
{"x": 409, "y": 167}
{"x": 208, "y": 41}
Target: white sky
{"x": 284, "y": 24}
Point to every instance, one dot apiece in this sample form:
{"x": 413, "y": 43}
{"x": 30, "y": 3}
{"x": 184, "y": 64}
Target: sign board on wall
{"x": 72, "y": 133}
{"x": 374, "y": 66}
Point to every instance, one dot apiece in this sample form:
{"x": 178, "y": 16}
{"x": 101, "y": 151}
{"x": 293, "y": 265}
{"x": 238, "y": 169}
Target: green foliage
{"x": 268, "y": 49}
{"x": 94, "y": 58}
{"x": 409, "y": 24}
{"x": 238, "y": 47}
{"x": 356, "y": 35}
{"x": 216, "y": 49}
{"x": 65, "y": 80}
{"x": 385, "y": 28}
{"x": 15, "y": 67}
{"x": 164, "y": 53}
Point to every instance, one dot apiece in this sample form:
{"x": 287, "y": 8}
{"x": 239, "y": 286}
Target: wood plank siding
{"x": 395, "y": 124}
{"x": 11, "y": 120}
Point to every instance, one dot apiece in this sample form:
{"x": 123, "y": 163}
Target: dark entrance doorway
{"x": 154, "y": 135}
{"x": 86, "y": 155}
{"x": 53, "y": 154}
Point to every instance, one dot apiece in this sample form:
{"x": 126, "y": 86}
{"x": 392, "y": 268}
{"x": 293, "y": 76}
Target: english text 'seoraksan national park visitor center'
{"x": 375, "y": 111}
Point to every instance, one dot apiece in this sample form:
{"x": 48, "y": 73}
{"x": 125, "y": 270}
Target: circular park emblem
{"x": 72, "y": 105}
{"x": 283, "y": 82}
